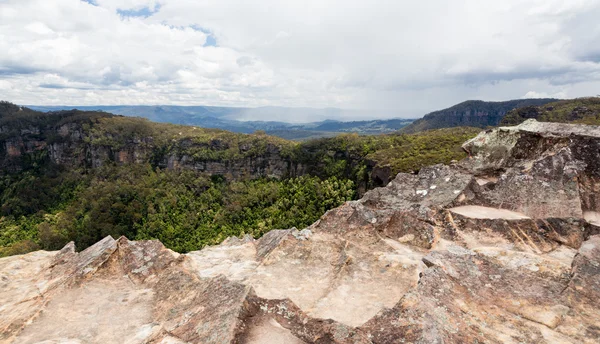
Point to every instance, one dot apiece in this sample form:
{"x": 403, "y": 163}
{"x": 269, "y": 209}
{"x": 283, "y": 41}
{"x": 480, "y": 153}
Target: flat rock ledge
{"x": 502, "y": 247}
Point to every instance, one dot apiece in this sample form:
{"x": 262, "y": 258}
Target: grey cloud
{"x": 590, "y": 57}
{"x": 8, "y": 70}
{"x": 397, "y": 55}
{"x": 61, "y": 87}
{"x": 245, "y": 61}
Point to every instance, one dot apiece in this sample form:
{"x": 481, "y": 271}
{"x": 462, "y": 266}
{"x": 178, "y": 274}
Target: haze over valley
{"x": 470, "y": 113}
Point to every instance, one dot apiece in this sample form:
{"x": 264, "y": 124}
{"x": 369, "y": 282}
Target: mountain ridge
{"x": 240, "y": 119}
{"x": 581, "y": 110}
{"x": 472, "y": 113}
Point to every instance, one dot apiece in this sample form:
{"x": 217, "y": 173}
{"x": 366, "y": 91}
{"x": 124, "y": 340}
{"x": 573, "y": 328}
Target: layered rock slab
{"x": 348, "y": 279}
{"x": 467, "y": 297}
{"x": 119, "y": 291}
{"x": 539, "y": 169}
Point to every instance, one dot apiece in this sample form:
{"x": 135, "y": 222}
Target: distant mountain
{"x": 472, "y": 113}
{"x": 183, "y": 114}
{"x": 329, "y": 128}
{"x": 237, "y": 119}
{"x": 374, "y": 126}
{"x": 160, "y": 113}
{"x": 281, "y": 121}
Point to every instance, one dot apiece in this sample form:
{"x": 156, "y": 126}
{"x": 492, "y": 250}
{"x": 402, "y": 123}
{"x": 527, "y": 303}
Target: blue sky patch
{"x": 211, "y": 40}
{"x": 144, "y": 12}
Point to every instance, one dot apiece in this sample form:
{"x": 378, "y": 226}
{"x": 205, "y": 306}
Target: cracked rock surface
{"x": 503, "y": 247}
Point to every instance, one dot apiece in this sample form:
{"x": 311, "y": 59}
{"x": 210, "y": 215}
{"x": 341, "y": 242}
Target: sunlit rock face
{"x": 503, "y": 247}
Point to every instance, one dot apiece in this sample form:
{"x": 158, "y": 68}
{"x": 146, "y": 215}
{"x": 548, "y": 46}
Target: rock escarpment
{"x": 87, "y": 140}
{"x": 471, "y": 113}
{"x": 503, "y": 247}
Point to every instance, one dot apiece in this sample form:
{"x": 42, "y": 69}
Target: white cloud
{"x": 534, "y": 94}
{"x": 397, "y": 57}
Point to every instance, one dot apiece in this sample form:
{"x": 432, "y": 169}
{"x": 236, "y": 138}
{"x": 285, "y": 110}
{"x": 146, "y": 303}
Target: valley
{"x": 246, "y": 120}
{"x": 79, "y": 176}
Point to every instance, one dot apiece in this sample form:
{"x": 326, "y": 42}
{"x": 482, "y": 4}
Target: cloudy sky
{"x": 396, "y": 57}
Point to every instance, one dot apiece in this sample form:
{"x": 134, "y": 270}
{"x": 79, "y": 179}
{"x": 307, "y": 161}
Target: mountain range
{"x": 283, "y": 121}
{"x": 241, "y": 120}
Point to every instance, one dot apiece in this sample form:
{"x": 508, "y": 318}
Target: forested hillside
{"x": 73, "y": 175}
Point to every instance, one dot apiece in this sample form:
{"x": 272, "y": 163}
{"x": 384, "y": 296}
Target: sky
{"x": 393, "y": 58}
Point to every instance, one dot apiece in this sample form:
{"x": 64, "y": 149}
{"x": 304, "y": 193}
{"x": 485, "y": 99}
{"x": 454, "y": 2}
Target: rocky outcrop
{"x": 541, "y": 169}
{"x": 503, "y": 247}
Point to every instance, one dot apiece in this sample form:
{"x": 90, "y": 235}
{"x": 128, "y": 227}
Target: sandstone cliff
{"x": 471, "y": 113}
{"x": 86, "y": 140}
{"x": 503, "y": 247}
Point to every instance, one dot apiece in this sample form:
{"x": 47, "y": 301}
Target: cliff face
{"x": 472, "y": 113}
{"x": 503, "y": 247}
{"x": 83, "y": 140}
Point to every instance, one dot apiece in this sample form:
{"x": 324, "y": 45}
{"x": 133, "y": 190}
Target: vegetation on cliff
{"x": 49, "y": 198}
{"x": 581, "y": 110}
{"x": 353, "y": 156}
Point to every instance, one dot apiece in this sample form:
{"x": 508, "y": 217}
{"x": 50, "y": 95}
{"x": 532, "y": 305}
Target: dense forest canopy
{"x": 183, "y": 209}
